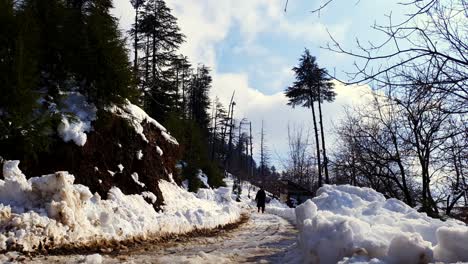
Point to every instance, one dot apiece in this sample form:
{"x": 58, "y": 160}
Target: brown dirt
{"x": 102, "y": 150}
{"x": 114, "y": 247}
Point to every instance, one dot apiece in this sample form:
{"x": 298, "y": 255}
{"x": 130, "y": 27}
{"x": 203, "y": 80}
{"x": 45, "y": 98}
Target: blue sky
{"x": 251, "y": 46}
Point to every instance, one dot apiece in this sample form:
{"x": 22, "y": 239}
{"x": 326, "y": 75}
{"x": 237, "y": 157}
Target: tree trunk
{"x": 231, "y": 126}
{"x": 153, "y": 62}
{"x": 325, "y": 159}
{"x": 147, "y": 61}
{"x": 213, "y": 146}
{"x": 135, "y": 60}
{"x": 317, "y": 144}
{"x": 251, "y": 153}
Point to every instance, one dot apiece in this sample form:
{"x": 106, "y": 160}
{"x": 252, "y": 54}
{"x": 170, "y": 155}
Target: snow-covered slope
{"x": 359, "y": 223}
{"x": 51, "y": 211}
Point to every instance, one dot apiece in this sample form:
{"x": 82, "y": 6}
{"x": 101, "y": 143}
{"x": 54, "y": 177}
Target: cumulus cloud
{"x": 208, "y": 23}
{"x": 273, "y": 109}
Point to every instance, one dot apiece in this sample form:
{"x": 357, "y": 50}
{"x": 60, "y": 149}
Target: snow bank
{"x": 137, "y": 116}
{"x": 51, "y": 210}
{"x": 209, "y": 210}
{"x": 359, "y": 223}
{"x": 74, "y": 128}
{"x": 280, "y": 209}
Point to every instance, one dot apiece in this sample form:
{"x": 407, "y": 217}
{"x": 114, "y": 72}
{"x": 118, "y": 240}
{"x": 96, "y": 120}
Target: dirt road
{"x": 265, "y": 238}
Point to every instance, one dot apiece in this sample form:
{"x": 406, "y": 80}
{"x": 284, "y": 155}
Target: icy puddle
{"x": 265, "y": 238}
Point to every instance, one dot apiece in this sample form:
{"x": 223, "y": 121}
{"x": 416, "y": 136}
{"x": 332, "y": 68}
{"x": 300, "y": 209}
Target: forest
{"x": 409, "y": 142}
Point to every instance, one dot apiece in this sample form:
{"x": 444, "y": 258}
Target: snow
{"x": 203, "y": 178}
{"x": 139, "y": 154}
{"x": 150, "y": 196}
{"x": 358, "y": 225}
{"x": 137, "y": 116}
{"x": 74, "y": 128}
{"x": 52, "y": 210}
{"x": 159, "y": 151}
{"x": 111, "y": 173}
{"x": 135, "y": 179}
{"x": 92, "y": 259}
{"x": 121, "y": 167}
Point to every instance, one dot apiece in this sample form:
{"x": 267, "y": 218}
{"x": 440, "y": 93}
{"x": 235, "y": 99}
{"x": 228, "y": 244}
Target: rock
{"x": 114, "y": 144}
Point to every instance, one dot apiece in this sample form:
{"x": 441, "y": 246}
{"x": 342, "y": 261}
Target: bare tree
{"x": 299, "y": 166}
{"x": 432, "y": 37}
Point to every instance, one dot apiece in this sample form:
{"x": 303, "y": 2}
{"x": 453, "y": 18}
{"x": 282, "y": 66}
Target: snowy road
{"x": 265, "y": 238}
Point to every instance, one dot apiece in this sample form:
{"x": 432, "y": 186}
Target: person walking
{"x": 260, "y": 198}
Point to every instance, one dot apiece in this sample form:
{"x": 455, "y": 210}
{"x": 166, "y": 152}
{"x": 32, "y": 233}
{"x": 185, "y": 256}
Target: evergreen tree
{"x": 24, "y": 127}
{"x": 162, "y": 38}
{"x": 199, "y": 97}
{"x": 134, "y": 31}
{"x": 108, "y": 75}
{"x": 312, "y": 85}
{"x": 48, "y": 48}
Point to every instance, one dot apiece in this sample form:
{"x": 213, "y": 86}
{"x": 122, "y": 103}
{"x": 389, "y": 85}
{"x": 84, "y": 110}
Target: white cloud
{"x": 207, "y": 23}
{"x": 275, "y": 112}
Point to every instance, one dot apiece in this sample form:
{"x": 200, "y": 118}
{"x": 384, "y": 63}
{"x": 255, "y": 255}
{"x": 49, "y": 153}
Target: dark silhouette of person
{"x": 260, "y": 198}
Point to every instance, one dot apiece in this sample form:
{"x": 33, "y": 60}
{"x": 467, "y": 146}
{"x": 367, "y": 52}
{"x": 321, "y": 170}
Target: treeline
{"x": 49, "y": 48}
{"x": 177, "y": 93}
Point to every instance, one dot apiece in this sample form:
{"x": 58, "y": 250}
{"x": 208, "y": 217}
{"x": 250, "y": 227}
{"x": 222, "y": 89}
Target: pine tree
{"x": 24, "y": 127}
{"x": 199, "y": 97}
{"x": 162, "y": 38}
{"x": 312, "y": 85}
{"x": 325, "y": 92}
{"x": 108, "y": 74}
{"x": 134, "y": 31}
